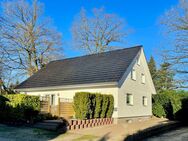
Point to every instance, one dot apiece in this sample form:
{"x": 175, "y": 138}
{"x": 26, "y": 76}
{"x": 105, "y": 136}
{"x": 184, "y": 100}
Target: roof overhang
{"x": 65, "y": 87}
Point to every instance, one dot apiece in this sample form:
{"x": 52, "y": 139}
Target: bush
{"x": 92, "y": 105}
{"x": 19, "y": 108}
{"x": 105, "y": 103}
{"x": 82, "y": 105}
{"x": 158, "y": 110}
{"x": 24, "y": 101}
{"x": 98, "y": 106}
{"x": 110, "y": 107}
{"x": 171, "y": 101}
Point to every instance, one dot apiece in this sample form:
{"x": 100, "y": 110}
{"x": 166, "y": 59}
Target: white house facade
{"x": 132, "y": 85}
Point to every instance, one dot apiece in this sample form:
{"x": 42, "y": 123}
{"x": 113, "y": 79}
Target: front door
{"x": 53, "y": 105}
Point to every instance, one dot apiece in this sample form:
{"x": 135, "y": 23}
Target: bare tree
{"x": 175, "y": 24}
{"x": 29, "y": 40}
{"x": 97, "y": 33}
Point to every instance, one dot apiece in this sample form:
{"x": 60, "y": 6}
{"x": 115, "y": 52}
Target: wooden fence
{"x": 64, "y": 108}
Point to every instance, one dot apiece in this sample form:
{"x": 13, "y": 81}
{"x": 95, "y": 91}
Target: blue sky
{"x": 141, "y": 15}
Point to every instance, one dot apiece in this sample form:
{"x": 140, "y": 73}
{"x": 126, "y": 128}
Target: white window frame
{"x": 52, "y": 99}
{"x": 138, "y": 61}
{"x": 145, "y": 100}
{"x": 129, "y": 99}
{"x": 143, "y": 78}
{"x": 133, "y": 74}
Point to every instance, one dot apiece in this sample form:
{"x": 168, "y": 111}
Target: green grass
{"x": 25, "y": 134}
{"x": 85, "y": 138}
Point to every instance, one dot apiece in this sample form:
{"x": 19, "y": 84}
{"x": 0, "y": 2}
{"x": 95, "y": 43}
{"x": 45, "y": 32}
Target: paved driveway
{"x": 180, "y": 134}
{"x": 116, "y": 132}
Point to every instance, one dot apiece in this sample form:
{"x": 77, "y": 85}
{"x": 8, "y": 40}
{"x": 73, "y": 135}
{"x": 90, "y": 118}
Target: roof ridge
{"x": 137, "y": 46}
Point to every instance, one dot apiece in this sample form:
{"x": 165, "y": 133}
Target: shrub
{"x": 98, "y": 106}
{"x": 82, "y": 105}
{"x": 20, "y": 107}
{"x": 24, "y": 101}
{"x": 158, "y": 110}
{"x": 165, "y": 102}
{"x": 110, "y": 107}
{"x": 105, "y": 102}
{"x": 171, "y": 101}
{"x": 93, "y": 105}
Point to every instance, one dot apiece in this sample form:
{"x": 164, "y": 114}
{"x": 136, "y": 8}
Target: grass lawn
{"x": 8, "y": 133}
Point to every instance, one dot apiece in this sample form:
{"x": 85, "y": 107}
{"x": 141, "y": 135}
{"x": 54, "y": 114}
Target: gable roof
{"x": 96, "y": 68}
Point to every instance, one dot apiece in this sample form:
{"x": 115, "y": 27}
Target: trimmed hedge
{"x": 111, "y": 106}
{"x": 93, "y": 105}
{"x": 98, "y": 109}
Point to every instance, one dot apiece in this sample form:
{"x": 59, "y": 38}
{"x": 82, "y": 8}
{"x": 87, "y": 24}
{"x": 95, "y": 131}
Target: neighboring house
{"x": 123, "y": 73}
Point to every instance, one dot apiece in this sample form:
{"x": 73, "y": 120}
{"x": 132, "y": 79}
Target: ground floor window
{"x": 129, "y": 99}
{"x": 145, "y": 101}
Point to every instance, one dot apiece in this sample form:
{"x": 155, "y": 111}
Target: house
{"x": 123, "y": 73}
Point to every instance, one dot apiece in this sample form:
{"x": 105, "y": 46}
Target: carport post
{"x": 58, "y": 106}
{"x": 48, "y": 104}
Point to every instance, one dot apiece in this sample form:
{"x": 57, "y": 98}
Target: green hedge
{"x": 93, "y": 105}
{"x": 24, "y": 101}
{"x": 19, "y": 107}
{"x": 168, "y": 103}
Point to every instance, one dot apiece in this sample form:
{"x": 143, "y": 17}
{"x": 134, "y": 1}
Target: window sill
{"x": 130, "y": 104}
{"x": 133, "y": 79}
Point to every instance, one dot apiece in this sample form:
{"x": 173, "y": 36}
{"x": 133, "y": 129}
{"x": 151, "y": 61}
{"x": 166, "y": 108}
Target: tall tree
{"x": 153, "y": 70}
{"x": 175, "y": 24}
{"x": 97, "y": 33}
{"x": 152, "y": 67}
{"x": 165, "y": 78}
{"x": 28, "y": 38}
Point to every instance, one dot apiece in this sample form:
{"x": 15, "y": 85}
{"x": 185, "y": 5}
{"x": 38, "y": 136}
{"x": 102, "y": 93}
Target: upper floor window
{"x": 138, "y": 61}
{"x": 143, "y": 78}
{"x": 129, "y": 99}
{"x": 133, "y": 74}
{"x": 145, "y": 101}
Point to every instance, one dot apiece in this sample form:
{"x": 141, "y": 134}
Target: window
{"x": 53, "y": 99}
{"x": 143, "y": 78}
{"x": 129, "y": 99}
{"x": 145, "y": 101}
{"x": 138, "y": 61}
{"x": 133, "y": 74}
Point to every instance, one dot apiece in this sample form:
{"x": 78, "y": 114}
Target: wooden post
{"x": 49, "y": 104}
{"x": 59, "y": 107}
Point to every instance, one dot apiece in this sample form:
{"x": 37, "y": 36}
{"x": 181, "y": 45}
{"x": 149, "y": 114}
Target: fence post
{"x": 48, "y": 104}
{"x": 58, "y": 106}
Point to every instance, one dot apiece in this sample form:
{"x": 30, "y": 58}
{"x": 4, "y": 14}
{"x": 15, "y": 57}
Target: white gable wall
{"x": 137, "y": 89}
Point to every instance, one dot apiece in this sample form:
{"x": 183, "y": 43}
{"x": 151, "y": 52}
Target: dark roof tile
{"x": 104, "y": 67}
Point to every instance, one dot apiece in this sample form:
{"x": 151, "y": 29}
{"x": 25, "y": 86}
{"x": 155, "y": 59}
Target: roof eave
{"x": 65, "y": 87}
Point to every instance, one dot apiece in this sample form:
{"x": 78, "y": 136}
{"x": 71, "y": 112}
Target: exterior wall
{"x": 69, "y": 93}
{"x": 137, "y": 89}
